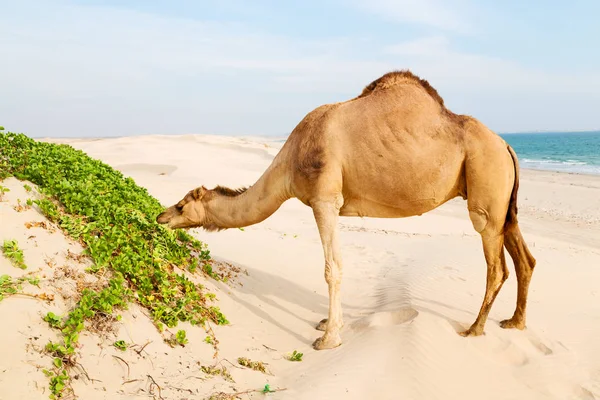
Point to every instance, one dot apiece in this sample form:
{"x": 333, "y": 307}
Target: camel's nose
{"x": 161, "y": 219}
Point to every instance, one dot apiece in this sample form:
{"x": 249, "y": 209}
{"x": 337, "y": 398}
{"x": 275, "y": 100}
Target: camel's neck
{"x": 254, "y": 205}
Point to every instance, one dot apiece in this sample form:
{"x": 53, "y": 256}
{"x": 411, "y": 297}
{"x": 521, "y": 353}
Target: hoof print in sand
{"x": 386, "y": 318}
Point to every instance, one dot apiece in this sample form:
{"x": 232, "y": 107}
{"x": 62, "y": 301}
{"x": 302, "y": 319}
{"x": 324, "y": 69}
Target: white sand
{"x": 408, "y": 286}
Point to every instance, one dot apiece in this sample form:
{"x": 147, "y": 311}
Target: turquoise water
{"x": 557, "y": 151}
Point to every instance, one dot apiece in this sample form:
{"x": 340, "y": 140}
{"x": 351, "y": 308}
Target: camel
{"x": 394, "y": 151}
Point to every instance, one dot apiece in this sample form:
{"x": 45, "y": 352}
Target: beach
{"x": 409, "y": 285}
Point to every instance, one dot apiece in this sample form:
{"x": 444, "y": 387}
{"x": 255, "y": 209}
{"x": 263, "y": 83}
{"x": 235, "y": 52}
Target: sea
{"x": 577, "y": 152}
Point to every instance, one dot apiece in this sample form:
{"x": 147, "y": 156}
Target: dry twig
{"x": 142, "y": 349}
{"x": 158, "y": 387}
{"x": 130, "y": 381}
{"x": 125, "y": 362}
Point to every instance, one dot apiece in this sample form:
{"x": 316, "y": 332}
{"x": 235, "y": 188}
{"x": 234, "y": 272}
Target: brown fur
{"x": 225, "y": 191}
{"x": 310, "y": 156}
{"x": 395, "y": 78}
{"x": 401, "y": 77}
{"x": 384, "y": 154}
{"x": 212, "y": 227}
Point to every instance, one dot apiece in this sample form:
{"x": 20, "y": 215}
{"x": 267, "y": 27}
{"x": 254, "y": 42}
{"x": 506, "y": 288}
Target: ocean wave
{"x": 565, "y": 162}
{"x": 574, "y": 166}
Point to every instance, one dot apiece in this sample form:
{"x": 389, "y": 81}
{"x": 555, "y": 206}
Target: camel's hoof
{"x": 512, "y": 324}
{"x": 472, "y": 332}
{"x": 322, "y": 325}
{"x": 327, "y": 342}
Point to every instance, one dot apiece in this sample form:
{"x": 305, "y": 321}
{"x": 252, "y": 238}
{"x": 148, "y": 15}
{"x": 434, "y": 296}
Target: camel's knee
{"x": 505, "y": 274}
{"x": 479, "y": 218}
{"x": 499, "y": 276}
{"x": 333, "y": 274}
{"x": 497, "y": 271}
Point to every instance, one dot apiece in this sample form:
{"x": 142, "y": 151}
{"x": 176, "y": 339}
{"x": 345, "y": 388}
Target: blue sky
{"x": 111, "y": 68}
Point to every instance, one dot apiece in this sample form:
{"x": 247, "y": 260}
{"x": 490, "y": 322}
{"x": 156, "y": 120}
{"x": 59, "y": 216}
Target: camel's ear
{"x": 198, "y": 193}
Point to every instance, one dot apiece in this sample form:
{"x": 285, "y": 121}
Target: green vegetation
{"x": 3, "y": 190}
{"x": 53, "y": 320}
{"x": 121, "y": 345}
{"x": 58, "y": 380}
{"x": 267, "y": 389}
{"x": 255, "y": 365}
{"x": 27, "y": 188}
{"x": 295, "y": 356}
{"x": 7, "y": 286}
{"x": 181, "y": 338}
{"x": 10, "y": 286}
{"x": 208, "y": 270}
{"x": 114, "y": 219}
{"x": 214, "y": 371}
{"x": 237, "y": 395}
{"x": 178, "y": 339}
{"x": 20, "y": 207}
{"x": 11, "y": 250}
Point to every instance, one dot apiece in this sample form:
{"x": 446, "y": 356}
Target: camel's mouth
{"x": 163, "y": 218}
{"x": 172, "y": 220}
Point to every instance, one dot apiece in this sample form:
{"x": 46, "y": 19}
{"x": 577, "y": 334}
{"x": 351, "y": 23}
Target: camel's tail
{"x": 511, "y": 214}
{"x": 513, "y": 239}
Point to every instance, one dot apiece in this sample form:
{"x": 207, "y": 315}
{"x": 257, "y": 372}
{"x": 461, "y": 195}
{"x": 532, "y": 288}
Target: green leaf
{"x": 121, "y": 345}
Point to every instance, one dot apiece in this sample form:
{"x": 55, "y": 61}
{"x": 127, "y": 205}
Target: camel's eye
{"x": 179, "y": 207}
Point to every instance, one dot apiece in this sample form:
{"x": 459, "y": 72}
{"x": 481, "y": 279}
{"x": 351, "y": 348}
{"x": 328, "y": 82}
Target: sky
{"x": 92, "y": 68}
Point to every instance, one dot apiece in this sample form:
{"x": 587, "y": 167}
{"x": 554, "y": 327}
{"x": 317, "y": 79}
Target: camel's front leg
{"x": 326, "y": 216}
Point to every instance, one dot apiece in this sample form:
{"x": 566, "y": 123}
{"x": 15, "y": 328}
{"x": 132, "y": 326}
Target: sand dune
{"x": 409, "y": 285}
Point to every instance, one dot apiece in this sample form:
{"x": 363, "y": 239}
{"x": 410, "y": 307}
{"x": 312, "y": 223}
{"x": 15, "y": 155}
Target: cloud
{"x": 504, "y": 94}
{"x": 102, "y": 48}
{"x": 93, "y": 70}
{"x": 82, "y": 70}
{"x": 445, "y": 15}
{"x": 435, "y": 58}
{"x": 424, "y": 46}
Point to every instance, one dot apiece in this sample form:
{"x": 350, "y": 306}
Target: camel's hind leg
{"x": 497, "y": 272}
{"x": 524, "y": 264}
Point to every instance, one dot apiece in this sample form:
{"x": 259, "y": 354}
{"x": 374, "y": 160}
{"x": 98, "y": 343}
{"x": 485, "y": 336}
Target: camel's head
{"x": 189, "y": 212}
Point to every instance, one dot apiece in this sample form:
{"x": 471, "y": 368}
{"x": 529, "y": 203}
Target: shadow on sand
{"x": 267, "y": 288}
